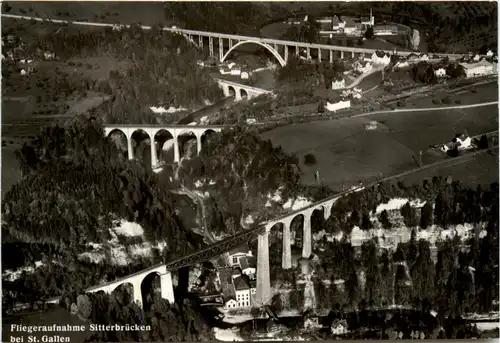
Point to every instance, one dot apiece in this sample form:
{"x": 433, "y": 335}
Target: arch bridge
{"x": 152, "y": 131}
{"x": 240, "y": 91}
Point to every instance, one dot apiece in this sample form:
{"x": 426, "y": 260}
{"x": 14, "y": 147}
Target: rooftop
{"x": 241, "y": 283}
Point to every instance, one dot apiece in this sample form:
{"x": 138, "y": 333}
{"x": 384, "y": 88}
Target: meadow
{"x": 347, "y": 153}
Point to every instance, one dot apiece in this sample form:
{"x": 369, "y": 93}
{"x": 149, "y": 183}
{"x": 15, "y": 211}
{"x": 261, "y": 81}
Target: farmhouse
{"x": 237, "y": 253}
{"x": 480, "y": 68}
{"x": 350, "y": 27}
{"x": 385, "y": 30}
{"x": 338, "y": 83}
{"x": 380, "y": 58}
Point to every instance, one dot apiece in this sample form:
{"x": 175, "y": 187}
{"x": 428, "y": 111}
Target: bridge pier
{"x": 177, "y": 153}
{"x": 286, "y": 262}
{"x": 308, "y": 53}
{"x": 211, "y": 46}
{"x": 200, "y": 42}
{"x": 138, "y": 293}
{"x": 154, "y": 158}
{"x": 330, "y": 55}
{"x": 198, "y": 144}
{"x": 167, "y": 287}
{"x": 237, "y": 94}
{"x": 221, "y": 49}
{"x": 297, "y": 50}
{"x": 263, "y": 296}
{"x": 306, "y": 240}
{"x": 129, "y": 148}
{"x": 319, "y": 55}
{"x": 341, "y": 55}
{"x": 286, "y": 53}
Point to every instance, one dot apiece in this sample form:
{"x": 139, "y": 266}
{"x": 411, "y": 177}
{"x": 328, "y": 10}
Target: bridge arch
{"x": 165, "y": 146}
{"x": 120, "y": 139}
{"x": 267, "y": 46}
{"x": 243, "y": 93}
{"x": 142, "y": 148}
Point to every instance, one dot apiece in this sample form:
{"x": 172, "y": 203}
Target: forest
{"x": 463, "y": 280}
{"x": 159, "y": 70}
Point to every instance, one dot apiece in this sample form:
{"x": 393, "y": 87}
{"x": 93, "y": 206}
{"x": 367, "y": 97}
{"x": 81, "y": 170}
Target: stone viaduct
{"x": 262, "y": 231}
{"x": 175, "y": 131}
{"x": 239, "y": 90}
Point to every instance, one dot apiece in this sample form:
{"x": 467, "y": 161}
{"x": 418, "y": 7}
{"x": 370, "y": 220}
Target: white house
{"x": 380, "y": 58}
{"x": 461, "y": 142}
{"x": 350, "y": 27}
{"x": 489, "y": 53}
{"x": 237, "y": 253}
{"x": 338, "y": 84}
{"x": 363, "y": 66}
{"x": 480, "y": 68}
{"x": 337, "y": 23}
{"x": 337, "y": 106}
{"x": 242, "y": 289}
{"x": 49, "y": 55}
{"x": 312, "y": 323}
{"x": 441, "y": 72}
{"x": 244, "y": 75}
{"x": 339, "y": 327}
{"x": 236, "y": 71}
{"x": 231, "y": 303}
{"x": 225, "y": 70}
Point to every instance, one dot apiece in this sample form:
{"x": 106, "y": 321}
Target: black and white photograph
{"x": 249, "y": 171}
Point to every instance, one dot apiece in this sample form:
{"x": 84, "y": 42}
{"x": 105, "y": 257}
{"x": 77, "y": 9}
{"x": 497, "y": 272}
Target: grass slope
{"x": 346, "y": 153}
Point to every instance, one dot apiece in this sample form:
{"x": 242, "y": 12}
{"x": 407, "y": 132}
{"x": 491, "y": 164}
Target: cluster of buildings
{"x": 236, "y": 281}
{"x": 341, "y": 25}
{"x": 226, "y": 68}
{"x": 15, "y": 51}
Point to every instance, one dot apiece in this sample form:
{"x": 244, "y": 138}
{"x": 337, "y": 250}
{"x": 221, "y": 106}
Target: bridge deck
{"x": 231, "y": 36}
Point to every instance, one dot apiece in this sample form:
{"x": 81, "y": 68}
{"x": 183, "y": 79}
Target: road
{"x": 483, "y": 104}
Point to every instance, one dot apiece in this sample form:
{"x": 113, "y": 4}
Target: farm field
{"x": 343, "y": 147}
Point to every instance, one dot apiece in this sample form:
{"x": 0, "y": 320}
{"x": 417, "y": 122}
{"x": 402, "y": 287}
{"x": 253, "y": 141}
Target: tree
{"x": 352, "y": 285}
{"x": 369, "y": 33}
{"x": 456, "y": 71}
{"x": 366, "y": 223}
{"x": 277, "y": 303}
{"x": 409, "y": 215}
{"x": 426, "y": 216}
{"x": 384, "y": 220}
{"x": 423, "y": 275}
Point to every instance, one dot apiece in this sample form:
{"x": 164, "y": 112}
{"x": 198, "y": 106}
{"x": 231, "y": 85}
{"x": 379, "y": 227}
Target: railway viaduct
{"x": 262, "y": 231}
{"x": 152, "y": 131}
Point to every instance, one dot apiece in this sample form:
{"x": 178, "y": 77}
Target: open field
{"x": 343, "y": 147}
